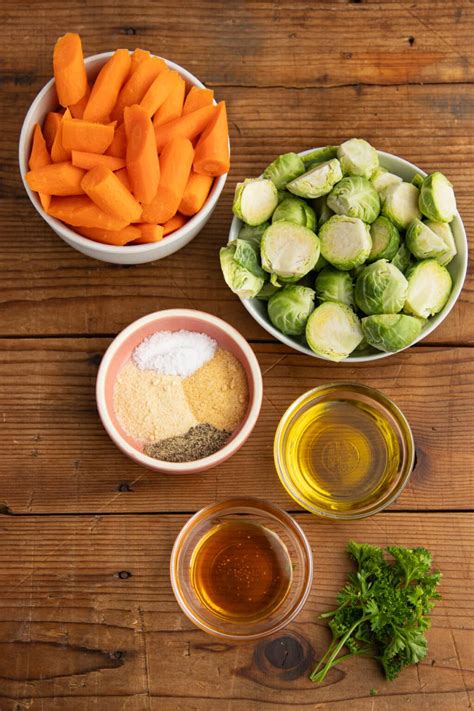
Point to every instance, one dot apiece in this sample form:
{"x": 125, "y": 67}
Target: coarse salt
{"x": 174, "y": 352}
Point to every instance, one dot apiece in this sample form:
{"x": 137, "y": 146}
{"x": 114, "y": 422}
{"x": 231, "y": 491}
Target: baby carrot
{"x": 115, "y": 237}
{"x": 195, "y": 193}
{"x": 50, "y": 127}
{"x": 77, "y": 109}
{"x": 197, "y": 98}
{"x": 142, "y": 158}
{"x": 149, "y": 233}
{"x": 118, "y": 147}
{"x": 80, "y": 211}
{"x": 80, "y": 135}
{"x": 175, "y": 164}
{"x": 110, "y": 194}
{"x": 59, "y": 153}
{"x": 174, "y": 224}
{"x": 69, "y": 69}
{"x": 107, "y": 86}
{"x": 188, "y": 126}
{"x": 159, "y": 91}
{"x": 86, "y": 161}
{"x": 138, "y": 56}
{"x": 39, "y": 157}
{"x": 212, "y": 150}
{"x": 172, "y": 108}
{"x": 138, "y": 84}
{"x": 122, "y": 175}
{"x": 56, "y": 179}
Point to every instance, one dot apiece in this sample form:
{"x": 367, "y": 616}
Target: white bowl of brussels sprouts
{"x": 345, "y": 252}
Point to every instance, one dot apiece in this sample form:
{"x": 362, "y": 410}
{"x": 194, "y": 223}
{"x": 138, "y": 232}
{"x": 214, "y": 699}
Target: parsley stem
{"x": 320, "y": 675}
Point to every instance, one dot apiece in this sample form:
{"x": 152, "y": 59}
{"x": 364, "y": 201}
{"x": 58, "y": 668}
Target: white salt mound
{"x": 174, "y": 352}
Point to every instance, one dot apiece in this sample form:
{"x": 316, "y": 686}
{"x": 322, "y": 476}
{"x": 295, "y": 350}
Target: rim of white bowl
{"x": 221, "y": 454}
{"x": 56, "y": 224}
{"x": 457, "y": 288}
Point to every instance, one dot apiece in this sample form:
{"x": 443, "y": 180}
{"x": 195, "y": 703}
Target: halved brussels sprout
{"x": 289, "y": 251}
{"x": 334, "y": 285}
{"x": 248, "y": 256}
{"x": 319, "y": 155}
{"x": 323, "y": 212}
{"x": 382, "y": 179}
{"x": 358, "y": 157}
{"x": 284, "y": 168}
{"x": 444, "y": 231}
{"x": 253, "y": 234}
{"x": 401, "y": 204}
{"x": 425, "y": 243}
{"x": 385, "y": 239}
{"x": 437, "y": 200}
{"x": 355, "y": 197}
{"x": 254, "y": 200}
{"x": 345, "y": 242}
{"x": 429, "y": 287}
{"x": 417, "y": 180}
{"x": 380, "y": 288}
{"x": 290, "y": 308}
{"x": 391, "y": 332}
{"x": 267, "y": 291}
{"x": 295, "y": 210}
{"x": 403, "y": 259}
{"x": 333, "y": 331}
{"x": 240, "y": 280}
{"x": 317, "y": 181}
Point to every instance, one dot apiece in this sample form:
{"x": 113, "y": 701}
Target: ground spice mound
{"x": 218, "y": 392}
{"x": 150, "y": 406}
{"x": 199, "y": 442}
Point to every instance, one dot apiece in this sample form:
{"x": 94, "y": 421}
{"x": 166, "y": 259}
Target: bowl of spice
{"x": 179, "y": 391}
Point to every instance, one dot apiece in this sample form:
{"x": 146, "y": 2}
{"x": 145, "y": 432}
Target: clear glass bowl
{"x": 337, "y": 504}
{"x": 273, "y": 519}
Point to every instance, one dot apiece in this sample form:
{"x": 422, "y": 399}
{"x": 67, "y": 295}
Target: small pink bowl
{"x": 119, "y": 353}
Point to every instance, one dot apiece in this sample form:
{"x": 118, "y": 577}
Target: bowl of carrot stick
{"x": 123, "y": 154}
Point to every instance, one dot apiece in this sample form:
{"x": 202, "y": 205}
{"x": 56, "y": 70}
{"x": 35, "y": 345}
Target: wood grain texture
{"x": 76, "y": 633}
{"x": 58, "y": 458}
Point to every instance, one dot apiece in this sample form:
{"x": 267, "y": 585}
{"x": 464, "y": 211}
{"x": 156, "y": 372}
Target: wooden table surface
{"x": 88, "y": 620}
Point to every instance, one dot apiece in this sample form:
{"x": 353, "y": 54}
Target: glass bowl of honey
{"x": 344, "y": 451}
{"x": 241, "y": 569}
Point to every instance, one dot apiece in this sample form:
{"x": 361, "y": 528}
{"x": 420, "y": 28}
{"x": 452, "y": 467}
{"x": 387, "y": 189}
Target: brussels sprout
{"x": 385, "y": 239}
{"x": 382, "y": 180}
{"x": 253, "y": 234}
{"x": 323, "y": 212}
{"x": 320, "y": 264}
{"x": 290, "y": 308}
{"x": 358, "y": 158}
{"x": 248, "y": 256}
{"x": 283, "y": 194}
{"x": 380, "y": 288}
{"x": 443, "y": 230}
{"x": 238, "y": 279}
{"x": 289, "y": 251}
{"x": 417, "y": 180}
{"x": 254, "y": 200}
{"x": 437, "y": 201}
{"x": 391, "y": 332}
{"x": 317, "y": 181}
{"x": 425, "y": 243}
{"x": 355, "y": 197}
{"x": 401, "y": 204}
{"x": 333, "y": 331}
{"x": 403, "y": 259}
{"x": 284, "y": 168}
{"x": 267, "y": 291}
{"x": 333, "y": 285}
{"x": 345, "y": 242}
{"x": 429, "y": 287}
{"x": 295, "y": 210}
{"x": 319, "y": 155}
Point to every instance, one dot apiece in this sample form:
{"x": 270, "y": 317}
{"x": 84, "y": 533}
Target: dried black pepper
{"x": 198, "y": 442}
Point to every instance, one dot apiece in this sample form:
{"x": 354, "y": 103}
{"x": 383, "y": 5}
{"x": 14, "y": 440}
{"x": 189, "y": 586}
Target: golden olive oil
{"x": 241, "y": 571}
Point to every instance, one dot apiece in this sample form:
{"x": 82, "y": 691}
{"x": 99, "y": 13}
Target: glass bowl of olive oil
{"x": 241, "y": 569}
{"x": 344, "y": 451}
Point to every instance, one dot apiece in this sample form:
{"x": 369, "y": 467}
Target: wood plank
{"x": 48, "y": 288}
{"x": 57, "y": 458}
{"x": 78, "y": 635}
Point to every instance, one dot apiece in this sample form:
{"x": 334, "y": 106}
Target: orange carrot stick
{"x": 69, "y": 69}
{"x": 122, "y": 175}
{"x": 138, "y": 56}
{"x": 142, "y": 158}
{"x": 174, "y": 224}
{"x": 164, "y": 84}
{"x": 107, "y": 86}
{"x": 175, "y": 163}
{"x": 195, "y": 193}
{"x": 39, "y": 157}
{"x": 110, "y": 195}
{"x": 116, "y": 237}
{"x": 138, "y": 84}
{"x": 56, "y": 179}
{"x": 188, "y": 126}
{"x": 80, "y": 135}
{"x": 118, "y": 147}
{"x": 77, "y": 109}
{"x": 59, "y": 153}
{"x": 172, "y": 108}
{"x": 82, "y": 212}
{"x": 87, "y": 161}
{"x": 212, "y": 150}
{"x": 149, "y": 234}
{"x": 197, "y": 98}
{"x": 50, "y": 128}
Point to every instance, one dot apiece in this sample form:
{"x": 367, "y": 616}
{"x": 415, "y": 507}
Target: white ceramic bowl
{"x": 119, "y": 353}
{"x": 457, "y": 268}
{"x": 46, "y": 101}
